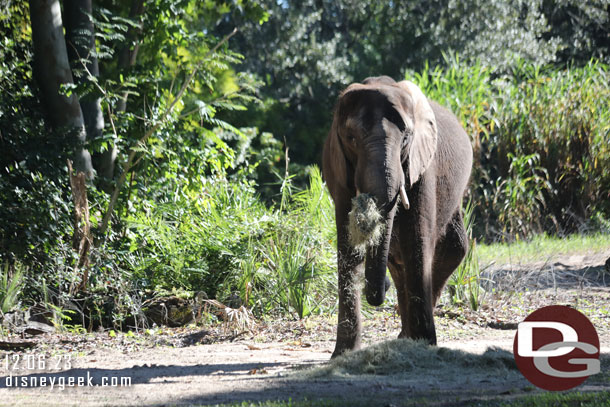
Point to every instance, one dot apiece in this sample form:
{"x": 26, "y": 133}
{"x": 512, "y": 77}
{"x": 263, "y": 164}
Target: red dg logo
{"x": 556, "y": 348}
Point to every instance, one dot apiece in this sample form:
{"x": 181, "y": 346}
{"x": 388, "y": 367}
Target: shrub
{"x": 225, "y": 241}
{"x": 11, "y": 284}
{"x": 291, "y": 269}
{"x": 541, "y": 142}
{"x": 563, "y": 116}
{"x": 195, "y": 243}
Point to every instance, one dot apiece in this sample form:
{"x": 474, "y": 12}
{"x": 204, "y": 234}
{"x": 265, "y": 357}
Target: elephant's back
{"x": 454, "y": 150}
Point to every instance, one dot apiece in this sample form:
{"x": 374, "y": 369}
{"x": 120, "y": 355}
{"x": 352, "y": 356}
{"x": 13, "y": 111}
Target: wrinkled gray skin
{"x": 386, "y": 135}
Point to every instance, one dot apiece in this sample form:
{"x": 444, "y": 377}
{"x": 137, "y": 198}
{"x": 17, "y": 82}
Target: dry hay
{"x": 366, "y": 224}
{"x": 405, "y": 359}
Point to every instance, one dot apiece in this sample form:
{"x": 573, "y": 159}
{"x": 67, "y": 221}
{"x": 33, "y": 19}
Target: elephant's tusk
{"x": 404, "y": 198}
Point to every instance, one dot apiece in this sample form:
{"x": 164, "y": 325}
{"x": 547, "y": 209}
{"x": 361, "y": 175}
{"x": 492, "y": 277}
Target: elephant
{"x": 397, "y": 166}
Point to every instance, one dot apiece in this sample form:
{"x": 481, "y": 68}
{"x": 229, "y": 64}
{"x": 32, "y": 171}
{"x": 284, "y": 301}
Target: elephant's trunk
{"x": 376, "y": 264}
{"x": 381, "y": 183}
{"x": 370, "y": 231}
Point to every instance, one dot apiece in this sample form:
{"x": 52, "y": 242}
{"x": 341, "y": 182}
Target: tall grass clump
{"x": 563, "y": 118}
{"x": 218, "y": 237}
{"x": 11, "y": 284}
{"x": 291, "y": 268}
{"x": 196, "y": 242}
{"x": 541, "y": 138}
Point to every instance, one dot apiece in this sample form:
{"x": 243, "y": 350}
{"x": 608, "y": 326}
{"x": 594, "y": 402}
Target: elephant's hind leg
{"x": 449, "y": 253}
{"x": 398, "y": 275}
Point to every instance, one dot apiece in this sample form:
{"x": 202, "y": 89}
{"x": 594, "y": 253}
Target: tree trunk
{"x": 80, "y": 43}
{"x": 52, "y": 70}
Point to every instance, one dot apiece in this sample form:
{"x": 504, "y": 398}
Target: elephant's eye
{"x": 351, "y": 138}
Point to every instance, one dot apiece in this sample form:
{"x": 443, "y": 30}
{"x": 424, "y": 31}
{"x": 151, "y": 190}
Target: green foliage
{"x": 555, "y": 399}
{"x": 33, "y": 183}
{"x": 290, "y": 273}
{"x": 582, "y": 27}
{"x": 224, "y": 240}
{"x": 543, "y": 247}
{"x": 11, "y": 285}
{"x": 520, "y": 197}
{"x": 540, "y": 137}
{"x": 291, "y": 269}
{"x": 462, "y": 87}
{"x": 195, "y": 242}
{"x": 62, "y": 318}
{"x": 562, "y": 116}
{"x": 186, "y": 160}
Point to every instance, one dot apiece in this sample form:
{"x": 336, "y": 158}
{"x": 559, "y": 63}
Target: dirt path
{"x": 233, "y": 372}
{"x": 183, "y": 367}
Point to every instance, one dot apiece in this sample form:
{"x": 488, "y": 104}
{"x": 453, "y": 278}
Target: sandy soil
{"x": 207, "y": 367}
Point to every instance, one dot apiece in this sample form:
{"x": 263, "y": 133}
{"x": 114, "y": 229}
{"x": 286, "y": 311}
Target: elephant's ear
{"x": 334, "y": 164}
{"x": 423, "y": 144}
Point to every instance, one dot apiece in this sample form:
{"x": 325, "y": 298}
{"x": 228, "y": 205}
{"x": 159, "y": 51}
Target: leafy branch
{"x": 129, "y": 163}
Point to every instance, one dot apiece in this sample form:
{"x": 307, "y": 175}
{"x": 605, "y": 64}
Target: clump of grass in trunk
{"x": 365, "y": 223}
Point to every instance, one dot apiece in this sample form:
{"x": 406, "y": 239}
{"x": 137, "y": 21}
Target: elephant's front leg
{"x": 415, "y": 311}
{"x": 417, "y": 293}
{"x": 418, "y": 323}
{"x": 349, "y": 325}
{"x": 350, "y": 266}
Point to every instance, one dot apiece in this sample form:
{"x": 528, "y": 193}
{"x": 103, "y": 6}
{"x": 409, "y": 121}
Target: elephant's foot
{"x": 346, "y": 344}
{"x": 404, "y": 334}
{"x": 430, "y": 338}
{"x": 340, "y": 349}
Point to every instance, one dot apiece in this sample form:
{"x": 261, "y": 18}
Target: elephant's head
{"x": 382, "y": 139}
